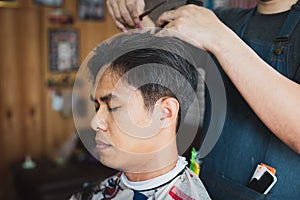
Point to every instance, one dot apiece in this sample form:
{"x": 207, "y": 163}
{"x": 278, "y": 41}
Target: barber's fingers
{"x": 195, "y": 25}
{"x": 171, "y": 30}
{"x": 166, "y": 17}
{"x": 125, "y": 12}
{"x": 135, "y": 8}
{"x": 180, "y": 23}
{"x": 168, "y": 20}
{"x": 114, "y": 10}
{"x": 119, "y": 24}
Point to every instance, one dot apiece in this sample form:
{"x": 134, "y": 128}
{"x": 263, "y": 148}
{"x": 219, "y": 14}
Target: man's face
{"x": 125, "y": 128}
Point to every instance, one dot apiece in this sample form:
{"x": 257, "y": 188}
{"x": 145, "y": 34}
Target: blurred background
{"x": 42, "y": 43}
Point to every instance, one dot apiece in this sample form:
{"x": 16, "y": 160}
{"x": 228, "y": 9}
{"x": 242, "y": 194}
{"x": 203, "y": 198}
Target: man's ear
{"x": 169, "y": 110}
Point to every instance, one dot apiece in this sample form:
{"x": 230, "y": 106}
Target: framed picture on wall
{"x": 49, "y": 2}
{"x": 91, "y": 9}
{"x": 9, "y": 3}
{"x": 63, "y": 50}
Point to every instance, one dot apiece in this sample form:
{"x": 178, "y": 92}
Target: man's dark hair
{"x": 157, "y": 66}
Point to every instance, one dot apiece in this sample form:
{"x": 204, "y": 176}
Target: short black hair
{"x": 167, "y": 69}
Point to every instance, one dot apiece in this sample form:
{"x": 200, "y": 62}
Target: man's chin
{"x": 109, "y": 159}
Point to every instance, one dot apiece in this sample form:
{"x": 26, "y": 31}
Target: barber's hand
{"x": 126, "y": 13}
{"x": 196, "y": 25}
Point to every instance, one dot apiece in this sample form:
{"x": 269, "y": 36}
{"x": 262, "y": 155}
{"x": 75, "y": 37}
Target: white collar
{"x": 157, "y": 181}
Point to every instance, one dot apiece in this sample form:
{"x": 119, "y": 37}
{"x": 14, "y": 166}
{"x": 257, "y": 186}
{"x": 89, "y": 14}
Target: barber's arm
{"x": 273, "y": 97}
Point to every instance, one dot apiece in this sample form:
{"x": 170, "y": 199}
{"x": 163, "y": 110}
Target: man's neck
{"x": 157, "y": 163}
{"x": 274, "y": 6}
{"x": 150, "y": 175}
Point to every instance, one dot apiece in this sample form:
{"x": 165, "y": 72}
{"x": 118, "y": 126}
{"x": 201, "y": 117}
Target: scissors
{"x": 147, "y": 12}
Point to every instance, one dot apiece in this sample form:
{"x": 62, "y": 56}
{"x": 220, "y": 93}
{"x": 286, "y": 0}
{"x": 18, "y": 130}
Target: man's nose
{"x": 99, "y": 122}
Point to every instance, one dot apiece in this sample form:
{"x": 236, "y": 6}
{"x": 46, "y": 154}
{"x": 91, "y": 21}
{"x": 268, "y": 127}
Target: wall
{"x": 28, "y": 125}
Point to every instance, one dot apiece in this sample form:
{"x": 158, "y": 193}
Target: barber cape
{"x": 178, "y": 184}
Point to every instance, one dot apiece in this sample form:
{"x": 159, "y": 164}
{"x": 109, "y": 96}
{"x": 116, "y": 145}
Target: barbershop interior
{"x": 42, "y": 46}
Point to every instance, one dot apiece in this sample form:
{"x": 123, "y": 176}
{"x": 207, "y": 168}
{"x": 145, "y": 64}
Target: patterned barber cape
{"x": 178, "y": 184}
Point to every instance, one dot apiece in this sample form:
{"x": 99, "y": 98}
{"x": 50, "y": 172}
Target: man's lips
{"x": 101, "y": 145}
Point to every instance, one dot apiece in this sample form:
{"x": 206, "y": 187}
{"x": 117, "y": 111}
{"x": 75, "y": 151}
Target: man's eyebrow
{"x": 105, "y": 98}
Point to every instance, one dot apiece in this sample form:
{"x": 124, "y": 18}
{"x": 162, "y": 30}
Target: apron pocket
{"x": 227, "y": 189}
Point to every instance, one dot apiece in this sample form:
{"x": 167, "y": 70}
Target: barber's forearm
{"x": 273, "y": 97}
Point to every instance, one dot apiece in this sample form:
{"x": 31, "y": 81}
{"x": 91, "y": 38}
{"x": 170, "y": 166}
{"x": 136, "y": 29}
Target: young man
{"x": 258, "y": 52}
{"x": 143, "y": 86}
